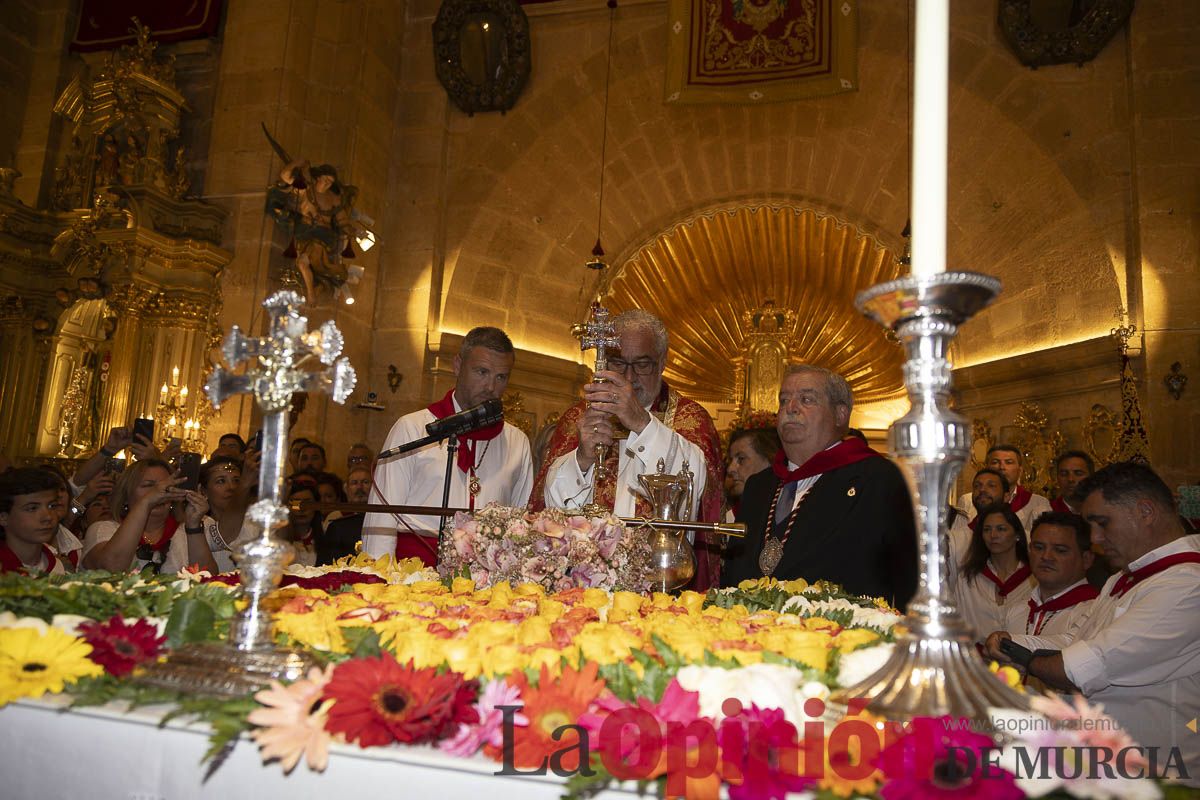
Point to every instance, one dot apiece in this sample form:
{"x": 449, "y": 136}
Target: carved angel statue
{"x": 317, "y": 212}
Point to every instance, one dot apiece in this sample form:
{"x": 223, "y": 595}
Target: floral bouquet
{"x": 550, "y": 548}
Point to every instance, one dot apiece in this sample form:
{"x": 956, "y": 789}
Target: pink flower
{"x": 549, "y": 527}
{"x": 1090, "y": 724}
{"x": 489, "y": 730}
{"x": 518, "y": 527}
{"x": 677, "y": 706}
{"x": 464, "y": 543}
{"x": 607, "y": 539}
{"x": 292, "y": 722}
{"x": 579, "y": 524}
{"x": 536, "y": 569}
{"x": 942, "y": 758}
{"x": 760, "y": 755}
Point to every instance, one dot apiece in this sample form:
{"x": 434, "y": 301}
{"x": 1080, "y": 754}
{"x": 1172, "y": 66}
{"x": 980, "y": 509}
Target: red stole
{"x": 1014, "y": 580}
{"x": 1021, "y": 498}
{"x": 1058, "y": 504}
{"x": 844, "y": 453}
{"x": 11, "y": 562}
{"x": 1129, "y": 580}
{"x": 466, "y": 447}
{"x": 1080, "y": 594}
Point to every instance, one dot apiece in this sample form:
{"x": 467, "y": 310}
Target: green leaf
{"x": 191, "y": 620}
{"x": 362, "y": 642}
{"x": 672, "y": 660}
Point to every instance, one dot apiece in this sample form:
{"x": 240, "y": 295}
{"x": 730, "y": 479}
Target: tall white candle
{"x": 930, "y": 91}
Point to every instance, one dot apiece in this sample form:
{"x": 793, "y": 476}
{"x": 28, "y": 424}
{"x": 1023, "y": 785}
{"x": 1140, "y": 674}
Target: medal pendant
{"x": 770, "y": 556}
{"x": 473, "y": 487}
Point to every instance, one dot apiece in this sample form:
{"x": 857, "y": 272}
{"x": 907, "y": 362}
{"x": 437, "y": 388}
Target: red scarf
{"x": 1129, "y": 580}
{"x": 170, "y": 524}
{"x": 11, "y": 562}
{"x": 466, "y": 448}
{"x": 1080, "y": 594}
{"x": 1014, "y": 580}
{"x": 1021, "y": 498}
{"x": 844, "y": 453}
{"x": 1058, "y": 504}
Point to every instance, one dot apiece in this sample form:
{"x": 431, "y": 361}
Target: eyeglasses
{"x": 641, "y": 366}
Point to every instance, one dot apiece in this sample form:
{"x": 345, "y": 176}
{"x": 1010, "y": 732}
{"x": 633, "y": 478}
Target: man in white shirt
{"x": 493, "y": 463}
{"x": 1060, "y": 554}
{"x": 1007, "y": 460}
{"x": 658, "y": 424}
{"x": 1138, "y": 651}
{"x": 988, "y": 487}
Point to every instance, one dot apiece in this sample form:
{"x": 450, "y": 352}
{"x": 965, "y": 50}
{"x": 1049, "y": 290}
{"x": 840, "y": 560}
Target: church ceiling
{"x": 704, "y": 274}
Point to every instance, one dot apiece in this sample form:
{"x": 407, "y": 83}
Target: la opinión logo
{"x": 632, "y": 744}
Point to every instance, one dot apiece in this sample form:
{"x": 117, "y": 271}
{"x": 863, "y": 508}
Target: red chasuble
{"x": 687, "y": 418}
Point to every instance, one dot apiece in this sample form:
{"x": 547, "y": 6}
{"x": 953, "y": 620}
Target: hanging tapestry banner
{"x": 760, "y": 51}
{"x": 107, "y": 24}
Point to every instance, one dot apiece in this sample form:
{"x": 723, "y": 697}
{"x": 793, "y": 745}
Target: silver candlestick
{"x": 250, "y": 659}
{"x": 934, "y": 669}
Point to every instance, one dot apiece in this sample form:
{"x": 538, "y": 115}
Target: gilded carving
{"x": 767, "y": 337}
{"x": 982, "y": 440}
{"x": 1039, "y": 446}
{"x": 515, "y": 413}
{"x": 1102, "y": 435}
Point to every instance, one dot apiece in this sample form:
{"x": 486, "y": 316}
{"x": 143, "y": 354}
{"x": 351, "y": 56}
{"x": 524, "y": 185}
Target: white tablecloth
{"x": 46, "y": 752}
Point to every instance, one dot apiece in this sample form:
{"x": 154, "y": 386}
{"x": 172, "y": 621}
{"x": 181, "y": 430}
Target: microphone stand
{"x": 451, "y": 450}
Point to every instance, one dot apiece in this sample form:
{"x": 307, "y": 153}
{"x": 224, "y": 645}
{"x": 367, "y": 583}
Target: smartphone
{"x": 143, "y": 427}
{"x": 256, "y": 442}
{"x": 189, "y": 467}
{"x": 114, "y": 466}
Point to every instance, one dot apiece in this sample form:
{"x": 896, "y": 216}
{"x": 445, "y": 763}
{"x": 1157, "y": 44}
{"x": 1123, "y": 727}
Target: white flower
{"x": 764, "y": 685}
{"x": 10, "y": 620}
{"x": 860, "y": 664}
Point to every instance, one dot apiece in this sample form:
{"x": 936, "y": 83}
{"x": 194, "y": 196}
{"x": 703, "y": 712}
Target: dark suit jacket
{"x": 855, "y": 528}
{"x": 339, "y": 539}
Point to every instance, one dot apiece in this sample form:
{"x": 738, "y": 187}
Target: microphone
{"x": 472, "y": 419}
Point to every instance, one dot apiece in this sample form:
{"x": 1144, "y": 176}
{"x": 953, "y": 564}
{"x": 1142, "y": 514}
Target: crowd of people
{"x": 129, "y": 507}
{"x": 1095, "y": 591}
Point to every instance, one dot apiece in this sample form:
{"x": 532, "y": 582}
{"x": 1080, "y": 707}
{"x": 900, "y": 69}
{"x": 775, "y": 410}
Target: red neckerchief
{"x": 170, "y": 524}
{"x": 1129, "y": 580}
{"x": 466, "y": 449}
{"x": 844, "y": 453}
{"x": 1058, "y": 504}
{"x": 1014, "y": 580}
{"x": 1021, "y": 498}
{"x": 1080, "y": 594}
{"x": 11, "y": 562}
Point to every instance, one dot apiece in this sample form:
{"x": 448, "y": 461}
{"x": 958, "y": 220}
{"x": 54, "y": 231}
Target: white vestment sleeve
{"x": 566, "y": 485}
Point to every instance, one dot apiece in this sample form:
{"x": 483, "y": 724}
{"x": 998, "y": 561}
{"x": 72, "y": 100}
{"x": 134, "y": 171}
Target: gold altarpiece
{"x": 113, "y": 282}
{"x": 767, "y": 339}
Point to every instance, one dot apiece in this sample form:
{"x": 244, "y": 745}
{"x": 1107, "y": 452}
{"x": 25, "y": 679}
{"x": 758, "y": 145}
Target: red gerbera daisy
{"x": 378, "y": 701}
{"x": 554, "y": 703}
{"x": 119, "y": 646}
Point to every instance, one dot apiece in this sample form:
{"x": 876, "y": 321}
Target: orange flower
{"x": 555, "y": 702}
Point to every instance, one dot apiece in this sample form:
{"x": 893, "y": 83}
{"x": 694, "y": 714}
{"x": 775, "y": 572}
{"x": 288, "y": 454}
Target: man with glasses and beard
{"x": 641, "y": 420}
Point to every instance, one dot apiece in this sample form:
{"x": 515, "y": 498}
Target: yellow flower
{"x": 807, "y": 647}
{"x": 462, "y": 586}
{"x": 34, "y": 662}
{"x": 627, "y": 602}
{"x": 692, "y": 601}
{"x": 534, "y": 630}
{"x": 550, "y": 609}
{"x": 501, "y": 660}
{"x": 606, "y": 644}
{"x": 854, "y": 638}
{"x": 595, "y": 598}
{"x": 1008, "y": 674}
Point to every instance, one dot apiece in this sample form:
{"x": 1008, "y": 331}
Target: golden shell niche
{"x": 711, "y": 275}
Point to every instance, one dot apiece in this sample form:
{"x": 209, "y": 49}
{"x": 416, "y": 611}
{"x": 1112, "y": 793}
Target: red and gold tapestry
{"x": 107, "y": 24}
{"x": 760, "y": 51}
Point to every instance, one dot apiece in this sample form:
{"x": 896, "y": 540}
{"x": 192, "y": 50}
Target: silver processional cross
{"x": 281, "y": 364}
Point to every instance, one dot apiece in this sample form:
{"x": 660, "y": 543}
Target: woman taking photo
{"x": 144, "y": 532}
{"x": 995, "y": 572}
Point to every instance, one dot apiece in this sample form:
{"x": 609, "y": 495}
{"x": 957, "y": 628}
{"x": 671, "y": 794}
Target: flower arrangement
{"x": 549, "y": 548}
{"x": 702, "y": 695}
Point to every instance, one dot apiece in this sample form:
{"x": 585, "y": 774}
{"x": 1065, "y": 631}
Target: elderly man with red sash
{"x": 831, "y": 507}
{"x": 661, "y": 424}
{"x": 1137, "y": 651}
{"x": 493, "y": 463}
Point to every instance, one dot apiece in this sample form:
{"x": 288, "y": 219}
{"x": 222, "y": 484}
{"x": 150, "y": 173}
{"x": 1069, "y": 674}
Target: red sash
{"x": 1020, "y": 499}
{"x": 466, "y": 448}
{"x": 1058, "y": 504}
{"x": 1014, "y": 580}
{"x": 1080, "y": 594}
{"x": 11, "y": 562}
{"x": 1129, "y": 580}
{"x": 845, "y": 452}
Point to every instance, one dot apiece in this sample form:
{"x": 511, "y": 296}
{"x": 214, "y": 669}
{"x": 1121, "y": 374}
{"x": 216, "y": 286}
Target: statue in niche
{"x": 766, "y": 341}
{"x": 317, "y": 212}
{"x": 108, "y": 161}
{"x": 131, "y": 158}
